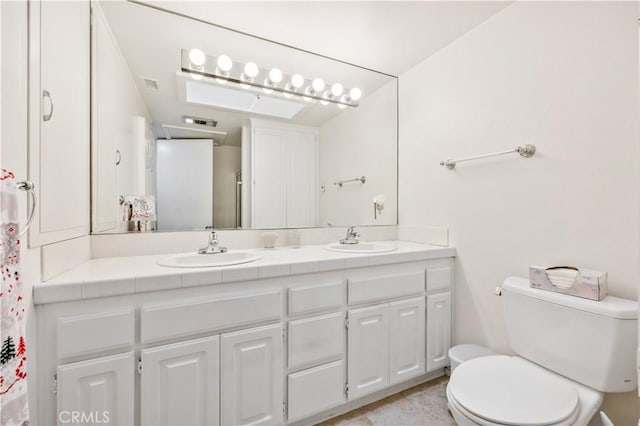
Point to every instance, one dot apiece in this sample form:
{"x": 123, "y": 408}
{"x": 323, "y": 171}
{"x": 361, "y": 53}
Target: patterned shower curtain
{"x": 13, "y": 350}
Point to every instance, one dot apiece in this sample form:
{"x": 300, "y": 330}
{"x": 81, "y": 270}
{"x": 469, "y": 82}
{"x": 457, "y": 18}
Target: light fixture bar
{"x": 209, "y": 69}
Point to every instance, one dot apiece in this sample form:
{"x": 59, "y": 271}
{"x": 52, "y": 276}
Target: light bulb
{"x": 355, "y": 94}
{"x": 318, "y": 84}
{"x": 188, "y": 120}
{"x": 224, "y": 63}
{"x": 297, "y": 81}
{"x": 337, "y": 89}
{"x": 275, "y": 75}
{"x": 251, "y": 69}
{"x": 327, "y": 95}
{"x": 197, "y": 58}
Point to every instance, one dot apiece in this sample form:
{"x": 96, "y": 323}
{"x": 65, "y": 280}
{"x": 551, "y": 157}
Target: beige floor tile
{"x": 425, "y": 405}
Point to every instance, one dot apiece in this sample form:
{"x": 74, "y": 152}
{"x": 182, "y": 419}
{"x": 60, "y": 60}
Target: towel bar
{"x": 28, "y": 187}
{"x": 525, "y": 151}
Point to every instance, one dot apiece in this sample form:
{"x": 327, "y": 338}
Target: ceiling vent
{"x": 150, "y": 83}
{"x": 209, "y": 122}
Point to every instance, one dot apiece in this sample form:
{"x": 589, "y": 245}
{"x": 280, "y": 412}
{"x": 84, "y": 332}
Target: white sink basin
{"x": 362, "y": 247}
{"x": 195, "y": 260}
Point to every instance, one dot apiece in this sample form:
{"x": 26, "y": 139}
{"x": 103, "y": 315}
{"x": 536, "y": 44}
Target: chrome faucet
{"x": 352, "y": 236}
{"x": 212, "y": 247}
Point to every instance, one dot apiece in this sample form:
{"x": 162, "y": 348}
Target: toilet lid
{"x": 511, "y": 391}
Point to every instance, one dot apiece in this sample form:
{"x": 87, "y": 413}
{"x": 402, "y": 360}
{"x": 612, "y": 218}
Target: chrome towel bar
{"x": 525, "y": 151}
{"x": 361, "y": 179}
{"x": 29, "y": 188}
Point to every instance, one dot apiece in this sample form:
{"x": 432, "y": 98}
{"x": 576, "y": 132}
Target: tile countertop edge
{"x": 81, "y": 282}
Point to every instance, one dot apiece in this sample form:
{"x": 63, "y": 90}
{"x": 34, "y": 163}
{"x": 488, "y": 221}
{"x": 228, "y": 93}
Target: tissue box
{"x": 587, "y": 283}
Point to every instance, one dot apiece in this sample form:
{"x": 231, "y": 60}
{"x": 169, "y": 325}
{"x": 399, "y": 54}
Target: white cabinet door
{"x": 59, "y": 116}
{"x": 97, "y": 391}
{"x": 406, "y": 339}
{"x": 368, "y": 350}
{"x": 302, "y": 179}
{"x": 252, "y": 375}
{"x": 438, "y": 330}
{"x": 181, "y": 382}
{"x": 269, "y": 186}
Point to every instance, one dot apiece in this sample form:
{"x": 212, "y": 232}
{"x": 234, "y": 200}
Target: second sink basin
{"x": 195, "y": 260}
{"x": 362, "y": 247}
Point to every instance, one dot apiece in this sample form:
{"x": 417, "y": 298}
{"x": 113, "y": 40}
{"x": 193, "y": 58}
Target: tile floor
{"x": 425, "y": 405}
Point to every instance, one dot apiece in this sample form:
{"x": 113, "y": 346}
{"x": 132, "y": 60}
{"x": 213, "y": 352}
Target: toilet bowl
{"x": 509, "y": 390}
{"x": 560, "y": 371}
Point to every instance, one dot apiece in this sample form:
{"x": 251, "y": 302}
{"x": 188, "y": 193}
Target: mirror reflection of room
{"x": 198, "y": 127}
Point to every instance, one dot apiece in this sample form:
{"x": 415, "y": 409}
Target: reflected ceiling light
{"x": 224, "y": 63}
{"x": 297, "y": 81}
{"x": 318, "y": 84}
{"x": 275, "y": 75}
{"x": 223, "y": 70}
{"x": 337, "y": 89}
{"x": 197, "y": 59}
{"x": 342, "y": 106}
{"x": 251, "y": 69}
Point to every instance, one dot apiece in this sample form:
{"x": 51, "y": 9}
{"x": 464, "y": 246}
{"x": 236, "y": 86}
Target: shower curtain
{"x": 13, "y": 350}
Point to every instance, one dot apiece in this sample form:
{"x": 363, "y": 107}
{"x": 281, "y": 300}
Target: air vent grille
{"x": 150, "y": 83}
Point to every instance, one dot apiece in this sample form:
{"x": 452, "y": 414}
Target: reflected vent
{"x": 209, "y": 122}
{"x": 150, "y": 83}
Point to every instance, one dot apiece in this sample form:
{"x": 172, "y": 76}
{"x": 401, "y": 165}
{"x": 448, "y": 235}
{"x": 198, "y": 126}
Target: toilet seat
{"x": 504, "y": 390}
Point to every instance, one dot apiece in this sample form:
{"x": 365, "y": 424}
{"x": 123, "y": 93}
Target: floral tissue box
{"x": 569, "y": 280}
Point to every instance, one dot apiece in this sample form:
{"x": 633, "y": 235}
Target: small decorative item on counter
{"x": 293, "y": 236}
{"x": 269, "y": 239}
{"x": 139, "y": 213}
{"x": 570, "y": 280}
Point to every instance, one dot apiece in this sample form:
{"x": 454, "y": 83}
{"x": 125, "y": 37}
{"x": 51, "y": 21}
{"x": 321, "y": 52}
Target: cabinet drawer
{"x": 100, "y": 331}
{"x": 316, "y": 389}
{"x": 322, "y": 297}
{"x": 183, "y": 319}
{"x": 438, "y": 278}
{"x": 315, "y": 340}
{"x": 364, "y": 290}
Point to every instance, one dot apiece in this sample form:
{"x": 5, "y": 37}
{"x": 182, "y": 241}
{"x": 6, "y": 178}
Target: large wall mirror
{"x": 196, "y": 127}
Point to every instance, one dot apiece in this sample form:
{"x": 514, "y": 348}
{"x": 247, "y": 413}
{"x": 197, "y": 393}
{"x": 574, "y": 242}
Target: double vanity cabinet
{"x": 262, "y": 343}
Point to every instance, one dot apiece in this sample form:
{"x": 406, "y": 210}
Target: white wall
{"x": 226, "y": 161}
{"x": 562, "y": 76}
{"x": 360, "y": 142}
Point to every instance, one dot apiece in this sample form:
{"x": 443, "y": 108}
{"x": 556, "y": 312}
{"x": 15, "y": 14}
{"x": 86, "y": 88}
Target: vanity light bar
{"x": 249, "y": 75}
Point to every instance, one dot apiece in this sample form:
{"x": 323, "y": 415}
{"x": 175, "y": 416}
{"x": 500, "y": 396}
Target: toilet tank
{"x": 591, "y": 342}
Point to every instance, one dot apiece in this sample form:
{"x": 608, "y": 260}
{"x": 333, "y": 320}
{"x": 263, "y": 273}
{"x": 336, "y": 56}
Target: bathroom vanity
{"x": 297, "y": 336}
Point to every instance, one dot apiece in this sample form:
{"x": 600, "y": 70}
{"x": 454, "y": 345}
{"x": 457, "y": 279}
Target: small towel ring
{"x": 28, "y": 187}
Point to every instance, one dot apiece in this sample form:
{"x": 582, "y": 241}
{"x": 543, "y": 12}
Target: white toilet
{"x": 569, "y": 352}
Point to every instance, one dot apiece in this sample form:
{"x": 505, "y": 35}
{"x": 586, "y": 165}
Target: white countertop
{"x": 138, "y": 274}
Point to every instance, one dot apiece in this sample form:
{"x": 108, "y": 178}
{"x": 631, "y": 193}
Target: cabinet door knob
{"x": 118, "y": 157}
{"x": 47, "y": 95}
